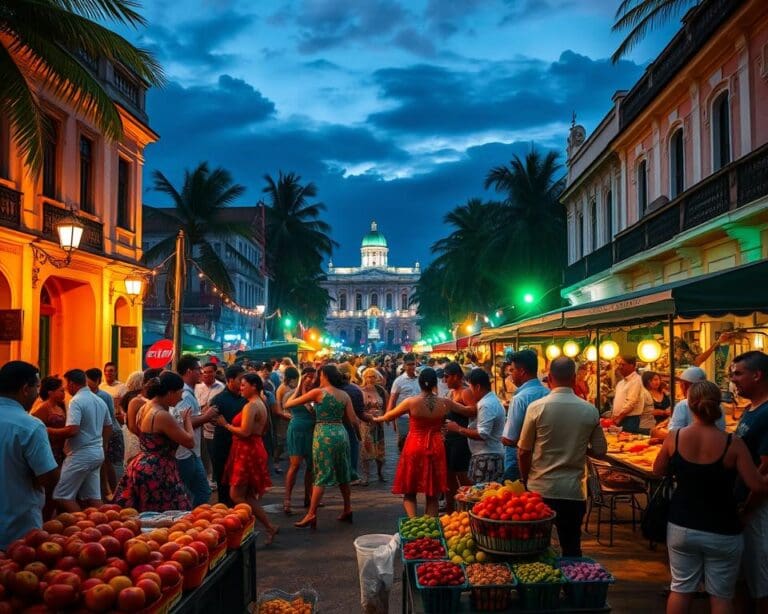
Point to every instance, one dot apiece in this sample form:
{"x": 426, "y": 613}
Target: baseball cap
{"x": 693, "y": 375}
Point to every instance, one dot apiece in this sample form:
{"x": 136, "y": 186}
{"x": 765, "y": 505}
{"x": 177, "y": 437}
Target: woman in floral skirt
{"x": 372, "y": 433}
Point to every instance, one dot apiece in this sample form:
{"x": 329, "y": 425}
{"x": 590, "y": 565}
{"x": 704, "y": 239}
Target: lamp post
{"x": 178, "y": 297}
{"x": 70, "y": 231}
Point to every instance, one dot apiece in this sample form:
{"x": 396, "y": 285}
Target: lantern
{"x": 591, "y": 352}
{"x": 571, "y": 349}
{"x": 609, "y": 350}
{"x": 552, "y": 351}
{"x": 70, "y": 231}
{"x": 649, "y": 350}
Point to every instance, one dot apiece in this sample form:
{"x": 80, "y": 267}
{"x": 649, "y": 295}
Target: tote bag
{"x": 654, "y": 523}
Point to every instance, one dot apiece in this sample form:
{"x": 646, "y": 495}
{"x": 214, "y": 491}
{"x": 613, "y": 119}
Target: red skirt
{"x": 422, "y": 467}
{"x": 247, "y": 465}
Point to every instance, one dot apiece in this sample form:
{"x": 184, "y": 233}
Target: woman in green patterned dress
{"x": 330, "y": 444}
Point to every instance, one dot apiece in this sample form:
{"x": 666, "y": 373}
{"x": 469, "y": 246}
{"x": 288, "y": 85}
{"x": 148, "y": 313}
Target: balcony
{"x": 699, "y": 27}
{"x": 10, "y": 207}
{"x": 737, "y": 184}
{"x": 93, "y": 233}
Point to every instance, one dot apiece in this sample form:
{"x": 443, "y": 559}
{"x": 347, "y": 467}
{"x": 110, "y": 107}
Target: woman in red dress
{"x": 422, "y": 467}
{"x": 246, "y": 469}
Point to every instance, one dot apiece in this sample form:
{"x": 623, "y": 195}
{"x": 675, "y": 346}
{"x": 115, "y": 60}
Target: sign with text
{"x": 159, "y": 354}
{"x": 10, "y": 324}
{"x": 129, "y": 336}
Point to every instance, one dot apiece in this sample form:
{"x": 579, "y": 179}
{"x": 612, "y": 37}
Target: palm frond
{"x": 121, "y": 11}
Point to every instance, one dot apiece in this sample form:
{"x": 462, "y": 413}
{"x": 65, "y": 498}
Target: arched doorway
{"x": 5, "y": 303}
{"x": 69, "y": 326}
{"x": 122, "y": 356}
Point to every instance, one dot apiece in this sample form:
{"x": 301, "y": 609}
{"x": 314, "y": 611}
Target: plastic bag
{"x": 376, "y": 562}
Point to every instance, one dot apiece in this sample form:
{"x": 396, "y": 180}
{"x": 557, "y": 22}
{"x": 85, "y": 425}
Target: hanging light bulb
{"x": 759, "y": 344}
{"x": 571, "y": 349}
{"x": 552, "y": 351}
{"x": 591, "y": 353}
{"x": 649, "y": 350}
{"x": 609, "y": 350}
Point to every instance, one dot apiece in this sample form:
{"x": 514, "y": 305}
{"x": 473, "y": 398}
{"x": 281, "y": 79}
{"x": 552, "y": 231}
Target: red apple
{"x": 66, "y": 562}
{"x": 90, "y": 535}
{"x": 118, "y": 563}
{"x": 25, "y": 584}
{"x": 74, "y": 546}
{"x": 49, "y": 553}
{"x": 53, "y": 526}
{"x": 112, "y": 545}
{"x": 169, "y": 575}
{"x": 100, "y": 598}
{"x": 60, "y": 596}
{"x": 122, "y": 534}
{"x": 37, "y": 568}
{"x": 104, "y": 529}
{"x": 186, "y": 556}
{"x": 111, "y": 572}
{"x": 68, "y": 577}
{"x": 23, "y": 554}
{"x": 91, "y": 582}
{"x": 201, "y": 549}
{"x": 136, "y": 552}
{"x": 92, "y": 555}
{"x": 151, "y": 589}
{"x": 140, "y": 569}
{"x": 120, "y": 582}
{"x": 168, "y": 548}
{"x": 150, "y": 575}
{"x": 35, "y": 537}
{"x": 155, "y": 558}
{"x": 131, "y": 599}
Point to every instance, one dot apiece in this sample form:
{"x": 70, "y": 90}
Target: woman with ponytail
{"x": 704, "y": 532}
{"x": 151, "y": 482}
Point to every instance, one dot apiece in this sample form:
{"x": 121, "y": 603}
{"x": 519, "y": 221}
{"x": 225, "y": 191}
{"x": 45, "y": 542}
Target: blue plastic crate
{"x": 492, "y": 597}
{"x": 405, "y": 518}
{"x": 440, "y": 599}
{"x": 585, "y": 594}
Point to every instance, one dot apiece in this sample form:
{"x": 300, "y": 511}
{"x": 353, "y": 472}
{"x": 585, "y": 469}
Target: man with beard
{"x": 228, "y": 403}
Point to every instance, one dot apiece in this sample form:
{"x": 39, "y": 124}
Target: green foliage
{"x": 499, "y": 251}
{"x": 39, "y": 42}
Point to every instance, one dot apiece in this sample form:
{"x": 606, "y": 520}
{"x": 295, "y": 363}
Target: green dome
{"x": 374, "y": 238}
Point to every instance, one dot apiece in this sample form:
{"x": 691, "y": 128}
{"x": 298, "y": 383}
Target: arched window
{"x": 388, "y": 300}
{"x": 721, "y": 132}
{"x": 374, "y": 300}
{"x": 359, "y": 302}
{"x": 642, "y": 187}
{"x": 343, "y": 301}
{"x": 676, "y": 164}
{"x": 593, "y": 223}
{"x": 609, "y": 216}
{"x": 404, "y": 302}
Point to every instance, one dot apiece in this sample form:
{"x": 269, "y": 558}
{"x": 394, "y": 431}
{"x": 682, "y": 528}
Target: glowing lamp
{"x": 528, "y": 298}
{"x": 591, "y": 352}
{"x": 609, "y": 350}
{"x": 649, "y": 350}
{"x": 552, "y": 351}
{"x": 70, "y": 231}
{"x": 133, "y": 286}
{"x": 571, "y": 349}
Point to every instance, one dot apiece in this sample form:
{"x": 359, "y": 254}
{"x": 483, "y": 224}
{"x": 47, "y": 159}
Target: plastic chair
{"x": 608, "y": 486}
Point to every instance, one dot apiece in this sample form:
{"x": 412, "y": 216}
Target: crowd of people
{"x": 166, "y": 439}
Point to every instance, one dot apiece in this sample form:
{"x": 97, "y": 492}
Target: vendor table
{"x": 412, "y": 603}
{"x": 230, "y": 587}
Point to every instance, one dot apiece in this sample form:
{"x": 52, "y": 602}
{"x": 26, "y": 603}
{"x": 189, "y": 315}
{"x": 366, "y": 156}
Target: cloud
{"x": 321, "y": 64}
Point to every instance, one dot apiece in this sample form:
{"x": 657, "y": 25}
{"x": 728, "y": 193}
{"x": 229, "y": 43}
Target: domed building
{"x": 370, "y": 304}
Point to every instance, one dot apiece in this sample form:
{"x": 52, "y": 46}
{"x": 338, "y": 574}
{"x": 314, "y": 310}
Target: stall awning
{"x": 738, "y": 291}
{"x": 462, "y": 343}
{"x": 190, "y": 343}
{"x": 446, "y": 346}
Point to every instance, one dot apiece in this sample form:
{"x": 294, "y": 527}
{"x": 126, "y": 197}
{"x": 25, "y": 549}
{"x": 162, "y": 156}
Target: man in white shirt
{"x": 190, "y": 465}
{"x": 559, "y": 431}
{"x": 87, "y": 430}
{"x": 208, "y": 388}
{"x": 404, "y": 387}
{"x": 111, "y": 385}
{"x": 484, "y": 430}
{"x": 628, "y": 401}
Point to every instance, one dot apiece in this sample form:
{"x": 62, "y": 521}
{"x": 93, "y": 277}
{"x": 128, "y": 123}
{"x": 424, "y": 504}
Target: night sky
{"x": 396, "y": 110}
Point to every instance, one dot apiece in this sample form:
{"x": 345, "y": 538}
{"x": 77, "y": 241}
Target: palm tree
{"x": 197, "y": 211}
{"x": 38, "y": 42}
{"x": 640, "y": 16}
{"x": 531, "y": 241}
{"x": 298, "y": 242}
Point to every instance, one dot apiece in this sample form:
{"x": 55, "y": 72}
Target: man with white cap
{"x": 681, "y": 415}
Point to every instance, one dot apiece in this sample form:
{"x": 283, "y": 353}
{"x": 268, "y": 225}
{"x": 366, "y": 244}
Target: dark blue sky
{"x": 395, "y": 109}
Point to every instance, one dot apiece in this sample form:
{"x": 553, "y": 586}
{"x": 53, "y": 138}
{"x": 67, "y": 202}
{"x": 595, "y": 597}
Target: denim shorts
{"x": 700, "y": 555}
{"x": 756, "y": 552}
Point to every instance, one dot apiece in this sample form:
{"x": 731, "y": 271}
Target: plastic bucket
{"x": 374, "y": 591}
{"x": 366, "y": 544}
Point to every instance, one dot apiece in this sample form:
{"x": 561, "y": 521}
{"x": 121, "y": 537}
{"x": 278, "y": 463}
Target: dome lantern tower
{"x": 374, "y": 250}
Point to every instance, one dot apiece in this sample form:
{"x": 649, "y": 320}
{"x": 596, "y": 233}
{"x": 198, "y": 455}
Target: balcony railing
{"x": 10, "y": 207}
{"x": 93, "y": 233}
{"x": 700, "y": 27}
{"x": 698, "y": 205}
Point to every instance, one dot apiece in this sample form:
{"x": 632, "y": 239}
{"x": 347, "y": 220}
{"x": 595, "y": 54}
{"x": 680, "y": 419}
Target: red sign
{"x": 159, "y": 354}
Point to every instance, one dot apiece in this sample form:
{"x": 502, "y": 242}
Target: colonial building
{"x": 207, "y": 317}
{"x": 60, "y": 310}
{"x": 371, "y": 304}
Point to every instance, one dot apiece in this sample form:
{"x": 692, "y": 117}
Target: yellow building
{"x": 64, "y": 311}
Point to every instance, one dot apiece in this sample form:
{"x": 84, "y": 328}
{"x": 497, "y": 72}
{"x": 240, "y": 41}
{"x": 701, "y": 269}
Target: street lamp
{"x": 70, "y": 231}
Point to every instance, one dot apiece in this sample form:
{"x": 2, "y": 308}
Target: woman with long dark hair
{"x": 151, "y": 482}
{"x": 246, "y": 470}
{"x": 330, "y": 443}
{"x": 299, "y": 440}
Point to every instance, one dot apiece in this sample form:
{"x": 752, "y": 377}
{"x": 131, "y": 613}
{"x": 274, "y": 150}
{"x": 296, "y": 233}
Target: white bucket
{"x": 375, "y": 570}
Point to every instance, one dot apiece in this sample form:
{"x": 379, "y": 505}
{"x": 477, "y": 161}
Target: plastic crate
{"x": 403, "y": 519}
{"x": 585, "y": 594}
{"x": 540, "y": 595}
{"x": 410, "y": 564}
{"x": 440, "y": 599}
{"x": 194, "y": 576}
{"x": 307, "y": 594}
{"x": 492, "y": 597}
{"x": 510, "y": 536}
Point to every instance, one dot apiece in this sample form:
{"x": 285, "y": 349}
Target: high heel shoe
{"x": 307, "y": 522}
{"x": 346, "y": 517}
{"x": 287, "y": 508}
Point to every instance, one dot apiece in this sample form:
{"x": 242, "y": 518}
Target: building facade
{"x": 208, "y": 317}
{"x": 371, "y": 304}
{"x": 77, "y": 314}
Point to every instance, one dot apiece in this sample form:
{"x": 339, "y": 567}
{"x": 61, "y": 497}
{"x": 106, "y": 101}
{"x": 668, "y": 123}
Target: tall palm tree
{"x": 298, "y": 242}
{"x": 640, "y": 16}
{"x": 531, "y": 241}
{"x": 197, "y": 211}
{"x": 39, "y": 40}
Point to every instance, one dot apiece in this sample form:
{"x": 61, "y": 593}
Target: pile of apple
{"x": 98, "y": 560}
{"x": 424, "y": 548}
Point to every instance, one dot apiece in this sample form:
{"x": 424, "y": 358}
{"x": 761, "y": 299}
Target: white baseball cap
{"x": 693, "y": 375}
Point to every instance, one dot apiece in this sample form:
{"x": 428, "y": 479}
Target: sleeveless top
{"x": 703, "y": 498}
{"x": 458, "y": 419}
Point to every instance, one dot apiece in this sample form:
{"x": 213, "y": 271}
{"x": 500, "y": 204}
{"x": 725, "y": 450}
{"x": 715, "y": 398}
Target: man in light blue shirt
{"x": 681, "y": 415}
{"x": 28, "y": 464}
{"x": 525, "y": 365}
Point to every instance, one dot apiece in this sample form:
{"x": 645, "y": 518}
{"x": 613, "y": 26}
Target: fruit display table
{"x": 230, "y": 587}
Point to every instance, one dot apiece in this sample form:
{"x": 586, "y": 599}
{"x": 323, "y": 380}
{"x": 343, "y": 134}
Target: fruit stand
{"x": 114, "y": 560}
{"x": 495, "y": 557}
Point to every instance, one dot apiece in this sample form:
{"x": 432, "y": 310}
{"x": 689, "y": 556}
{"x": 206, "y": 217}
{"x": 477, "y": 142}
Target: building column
{"x": 623, "y": 209}
{"x": 655, "y": 191}
{"x": 745, "y": 116}
{"x": 696, "y": 152}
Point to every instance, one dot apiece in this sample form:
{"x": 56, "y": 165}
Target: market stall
{"x": 495, "y": 555}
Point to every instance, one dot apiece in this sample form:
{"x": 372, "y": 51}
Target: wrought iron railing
{"x": 93, "y": 232}
{"x": 10, "y": 207}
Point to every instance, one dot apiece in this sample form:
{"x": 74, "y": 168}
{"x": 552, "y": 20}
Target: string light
{"x": 226, "y": 300}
